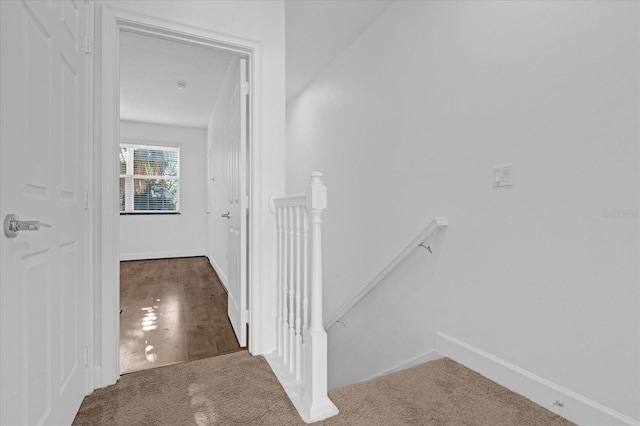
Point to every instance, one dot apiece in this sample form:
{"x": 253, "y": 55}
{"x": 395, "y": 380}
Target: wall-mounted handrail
{"x": 434, "y": 225}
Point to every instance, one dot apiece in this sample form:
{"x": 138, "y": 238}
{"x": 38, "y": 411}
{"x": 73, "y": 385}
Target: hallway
{"x": 172, "y": 310}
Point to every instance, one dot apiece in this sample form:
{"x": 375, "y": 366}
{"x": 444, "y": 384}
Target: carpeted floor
{"x": 239, "y": 389}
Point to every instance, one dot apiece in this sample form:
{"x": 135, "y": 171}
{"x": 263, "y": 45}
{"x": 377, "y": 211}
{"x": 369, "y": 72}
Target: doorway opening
{"x": 183, "y": 131}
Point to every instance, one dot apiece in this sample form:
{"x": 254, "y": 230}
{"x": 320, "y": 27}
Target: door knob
{"x": 227, "y": 215}
{"x": 13, "y": 225}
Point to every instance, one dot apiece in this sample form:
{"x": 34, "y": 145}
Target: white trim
{"x": 107, "y": 171}
{"x": 577, "y": 408}
{"x": 162, "y": 254}
{"x": 257, "y": 319}
{"x": 110, "y": 266}
{"x": 420, "y": 359}
{"x": 97, "y": 373}
{"x": 148, "y": 143}
{"x": 89, "y": 191}
{"x": 293, "y": 201}
{"x": 436, "y": 224}
{"x": 221, "y": 275}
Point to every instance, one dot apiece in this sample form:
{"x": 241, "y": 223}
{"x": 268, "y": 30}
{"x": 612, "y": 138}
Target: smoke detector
{"x": 181, "y": 85}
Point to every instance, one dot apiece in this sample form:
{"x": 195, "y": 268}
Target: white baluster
{"x": 305, "y": 270}
{"x": 305, "y": 286}
{"x": 279, "y": 282}
{"x": 298, "y": 293}
{"x": 291, "y": 290}
{"x": 285, "y": 263}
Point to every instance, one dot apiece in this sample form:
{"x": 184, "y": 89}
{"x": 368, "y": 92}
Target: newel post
{"x": 316, "y": 203}
{"x": 315, "y": 341}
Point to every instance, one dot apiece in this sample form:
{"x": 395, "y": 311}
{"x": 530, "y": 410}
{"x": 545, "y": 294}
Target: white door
{"x": 43, "y": 142}
{"x": 238, "y": 310}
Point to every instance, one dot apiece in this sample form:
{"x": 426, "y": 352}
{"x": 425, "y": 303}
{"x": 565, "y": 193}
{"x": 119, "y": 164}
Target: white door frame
{"x": 108, "y": 279}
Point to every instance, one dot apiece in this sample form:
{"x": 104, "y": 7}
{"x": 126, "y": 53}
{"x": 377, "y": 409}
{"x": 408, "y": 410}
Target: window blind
{"x": 149, "y": 178}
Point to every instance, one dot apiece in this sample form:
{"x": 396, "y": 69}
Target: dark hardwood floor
{"x": 173, "y": 310}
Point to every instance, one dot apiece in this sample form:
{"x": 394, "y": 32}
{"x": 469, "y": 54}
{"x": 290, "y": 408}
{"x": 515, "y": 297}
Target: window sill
{"x": 149, "y": 213}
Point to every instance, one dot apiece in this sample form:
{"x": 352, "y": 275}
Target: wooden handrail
{"x": 434, "y": 225}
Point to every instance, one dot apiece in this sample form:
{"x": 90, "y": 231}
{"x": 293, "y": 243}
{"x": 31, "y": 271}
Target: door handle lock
{"x": 227, "y": 215}
{"x": 13, "y": 225}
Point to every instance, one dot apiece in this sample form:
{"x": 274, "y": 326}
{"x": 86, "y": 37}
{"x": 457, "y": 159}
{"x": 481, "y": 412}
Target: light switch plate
{"x": 503, "y": 176}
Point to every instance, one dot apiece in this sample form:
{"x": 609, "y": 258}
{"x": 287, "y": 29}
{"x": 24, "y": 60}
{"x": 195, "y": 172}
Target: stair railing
{"x": 300, "y": 360}
{"x": 418, "y": 241}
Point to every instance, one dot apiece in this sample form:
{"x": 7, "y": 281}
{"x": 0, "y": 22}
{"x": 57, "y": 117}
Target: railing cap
{"x": 316, "y": 193}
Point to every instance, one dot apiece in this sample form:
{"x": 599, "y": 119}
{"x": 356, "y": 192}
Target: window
{"x": 149, "y": 178}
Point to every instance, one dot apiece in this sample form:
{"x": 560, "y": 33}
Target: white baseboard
{"x": 577, "y": 408}
{"x": 161, "y": 254}
{"x": 99, "y": 380}
{"x": 420, "y": 359}
{"x": 96, "y": 380}
{"x": 218, "y": 270}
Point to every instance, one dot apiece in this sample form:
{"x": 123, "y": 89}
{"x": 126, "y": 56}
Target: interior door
{"x": 238, "y": 201}
{"x": 43, "y": 142}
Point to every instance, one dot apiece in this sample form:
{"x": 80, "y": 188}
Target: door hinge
{"x": 86, "y": 200}
{"x": 86, "y": 355}
{"x": 87, "y": 44}
{"x": 245, "y": 88}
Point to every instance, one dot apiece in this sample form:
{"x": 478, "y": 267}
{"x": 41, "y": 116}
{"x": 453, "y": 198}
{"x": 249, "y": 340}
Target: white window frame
{"x": 129, "y": 176}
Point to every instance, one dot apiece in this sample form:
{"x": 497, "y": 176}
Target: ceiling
{"x": 316, "y": 32}
{"x": 150, "y": 67}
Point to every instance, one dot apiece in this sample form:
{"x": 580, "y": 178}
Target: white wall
{"x": 157, "y": 236}
{"x": 407, "y": 124}
{"x": 218, "y": 132}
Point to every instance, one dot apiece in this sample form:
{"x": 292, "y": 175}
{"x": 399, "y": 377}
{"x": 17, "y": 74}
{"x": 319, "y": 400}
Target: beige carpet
{"x": 239, "y": 389}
